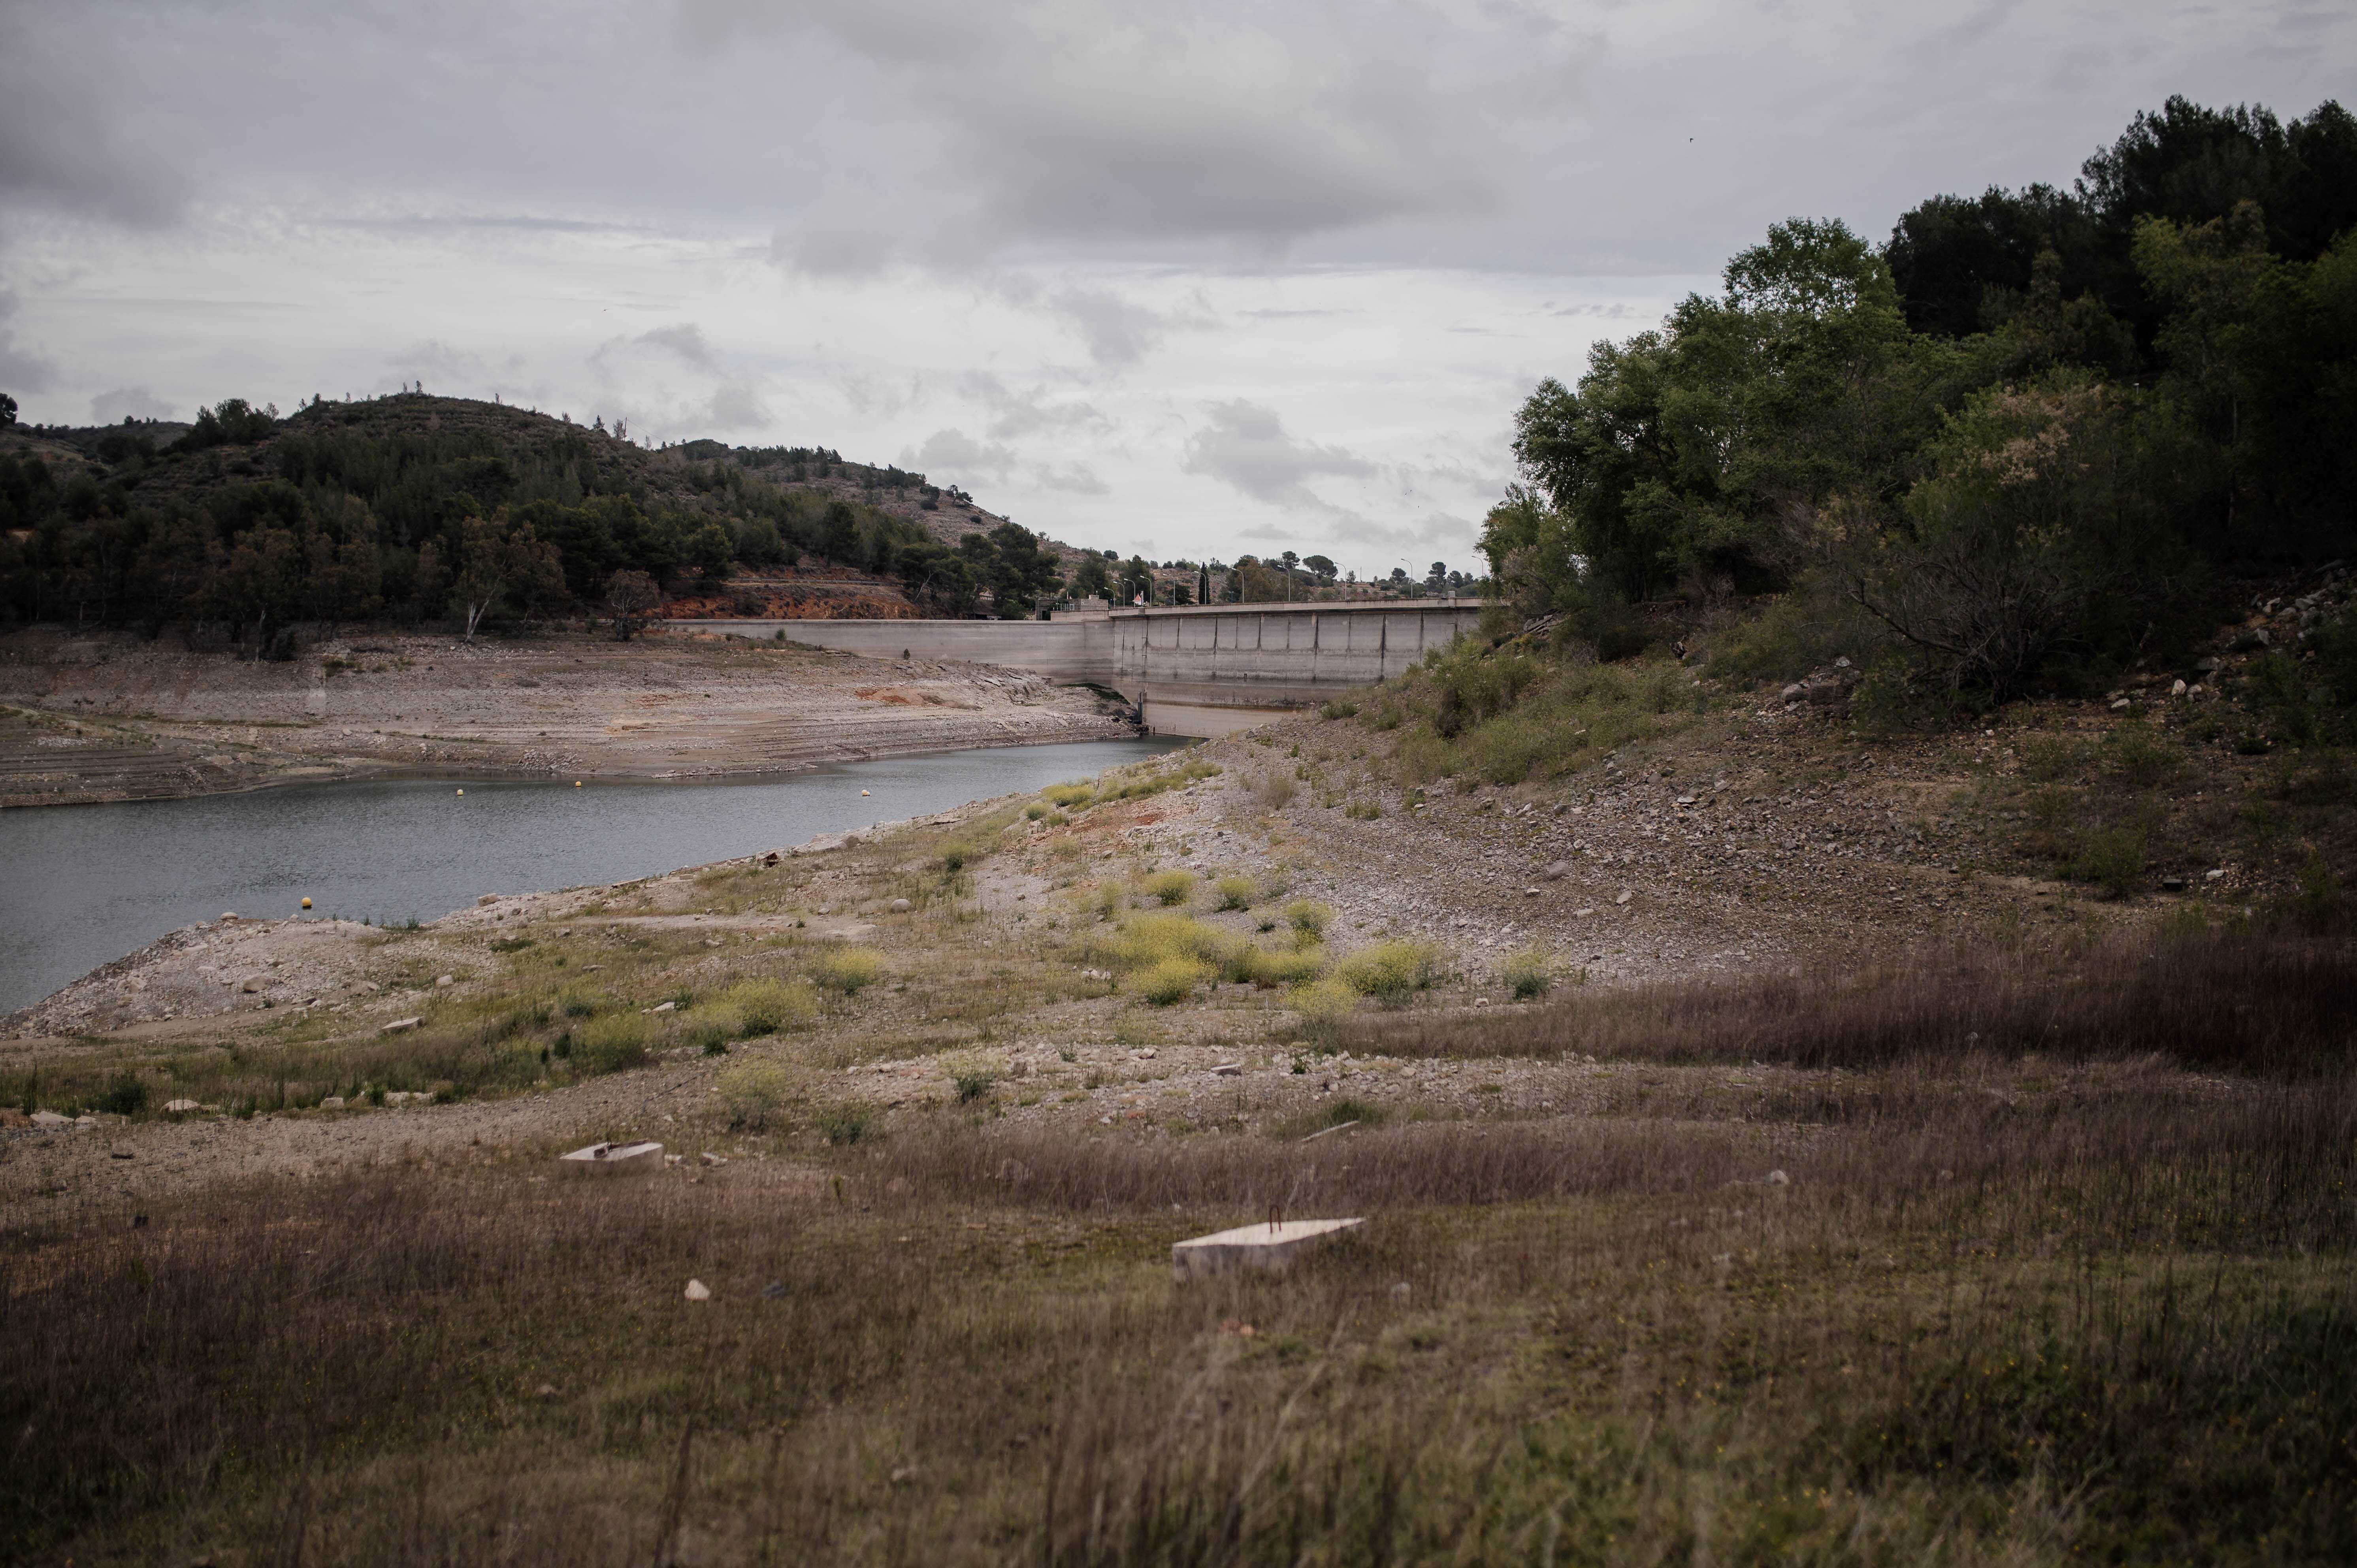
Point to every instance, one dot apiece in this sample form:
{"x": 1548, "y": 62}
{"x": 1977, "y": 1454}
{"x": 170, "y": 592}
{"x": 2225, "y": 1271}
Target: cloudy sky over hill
{"x": 1177, "y": 277}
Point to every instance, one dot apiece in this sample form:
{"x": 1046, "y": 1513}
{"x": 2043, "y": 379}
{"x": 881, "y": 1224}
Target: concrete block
{"x": 612, "y": 1159}
{"x": 1262, "y": 1246}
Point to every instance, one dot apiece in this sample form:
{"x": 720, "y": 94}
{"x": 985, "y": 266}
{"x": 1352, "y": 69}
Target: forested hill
{"x": 415, "y": 508}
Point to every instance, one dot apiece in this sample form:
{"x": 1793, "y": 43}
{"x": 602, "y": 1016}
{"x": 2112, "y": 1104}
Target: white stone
{"x": 1262, "y": 1246}
{"x": 663, "y": 1007}
{"x": 332, "y": 1102}
{"x": 400, "y": 1025}
{"x": 698, "y": 1291}
{"x": 612, "y": 1159}
{"x": 1228, "y": 1069}
{"x": 182, "y": 1107}
{"x": 50, "y": 1118}
{"x": 446, "y": 980}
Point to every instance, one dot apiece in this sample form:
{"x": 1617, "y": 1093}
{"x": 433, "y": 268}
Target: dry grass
{"x": 1960, "y": 1332}
{"x": 2265, "y": 1004}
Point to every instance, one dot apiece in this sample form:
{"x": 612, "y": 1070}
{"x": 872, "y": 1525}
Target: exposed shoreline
{"x": 89, "y": 720}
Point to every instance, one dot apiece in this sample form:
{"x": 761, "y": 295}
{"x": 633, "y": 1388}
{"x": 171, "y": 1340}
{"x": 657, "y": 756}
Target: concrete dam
{"x": 1200, "y": 670}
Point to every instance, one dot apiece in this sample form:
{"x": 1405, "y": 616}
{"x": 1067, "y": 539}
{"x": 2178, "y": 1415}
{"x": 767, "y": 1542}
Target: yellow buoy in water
{"x": 307, "y": 903}
{"x": 576, "y": 783}
{"x": 462, "y": 791}
{"x": 863, "y": 794}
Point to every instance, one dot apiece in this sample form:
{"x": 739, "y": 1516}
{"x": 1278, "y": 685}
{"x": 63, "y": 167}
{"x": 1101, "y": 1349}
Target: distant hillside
{"x": 420, "y": 508}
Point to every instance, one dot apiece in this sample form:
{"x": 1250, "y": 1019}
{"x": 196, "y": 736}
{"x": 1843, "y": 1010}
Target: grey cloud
{"x": 1013, "y": 413}
{"x": 1245, "y": 444}
{"x": 735, "y": 406}
{"x": 74, "y": 136}
{"x": 1074, "y": 479}
{"x": 950, "y": 453}
{"x": 1119, "y": 122}
{"x": 21, "y": 369}
{"x": 686, "y": 339}
{"x": 1117, "y": 332}
{"x": 134, "y": 402}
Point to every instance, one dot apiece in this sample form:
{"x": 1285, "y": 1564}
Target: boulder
{"x": 50, "y": 1118}
{"x": 400, "y": 1025}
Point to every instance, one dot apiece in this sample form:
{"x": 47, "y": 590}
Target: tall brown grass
{"x": 2266, "y": 1003}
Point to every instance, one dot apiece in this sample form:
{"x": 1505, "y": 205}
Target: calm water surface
{"x": 82, "y": 884}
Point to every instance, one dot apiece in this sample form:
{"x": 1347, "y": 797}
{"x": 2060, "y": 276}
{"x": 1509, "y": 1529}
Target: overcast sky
{"x": 1183, "y": 276}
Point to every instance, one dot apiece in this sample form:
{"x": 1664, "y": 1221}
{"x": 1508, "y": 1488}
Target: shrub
{"x": 1308, "y": 918}
{"x": 2140, "y": 757}
{"x": 848, "y": 970}
{"x": 972, "y": 1086}
{"x": 769, "y": 1006}
{"x": 1392, "y": 972}
{"x": 1276, "y": 790}
{"x": 580, "y": 1004}
{"x": 711, "y": 1028}
{"x": 127, "y": 1096}
{"x": 846, "y": 1125}
{"x": 1323, "y": 1006}
{"x": 612, "y": 1043}
{"x": 1266, "y": 969}
{"x": 1528, "y": 973}
{"x": 1234, "y": 892}
{"x": 1170, "y": 887}
{"x": 2113, "y": 860}
{"x": 752, "y": 1093}
{"x": 1150, "y": 940}
{"x": 1171, "y": 980}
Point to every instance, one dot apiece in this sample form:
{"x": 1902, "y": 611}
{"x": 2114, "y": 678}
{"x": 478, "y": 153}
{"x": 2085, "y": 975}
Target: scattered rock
{"x": 49, "y": 1119}
{"x": 710, "y": 1158}
{"x": 906, "y": 1472}
{"x": 900, "y": 905}
{"x": 1778, "y": 1178}
{"x": 1228, "y": 1069}
{"x": 332, "y": 1102}
{"x": 182, "y": 1107}
{"x": 1625, "y": 895}
{"x": 446, "y": 980}
{"x": 1556, "y": 870}
{"x": 2122, "y": 705}
{"x": 663, "y": 1007}
{"x": 400, "y": 1025}
{"x": 698, "y": 1291}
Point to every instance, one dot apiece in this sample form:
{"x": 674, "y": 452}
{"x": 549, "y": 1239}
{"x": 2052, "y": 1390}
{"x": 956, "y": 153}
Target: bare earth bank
{"x": 112, "y": 717}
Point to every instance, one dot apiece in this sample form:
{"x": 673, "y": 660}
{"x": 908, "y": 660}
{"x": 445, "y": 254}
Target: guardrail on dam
{"x": 1201, "y": 670}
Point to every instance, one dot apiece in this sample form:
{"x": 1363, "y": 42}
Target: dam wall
{"x": 1200, "y": 669}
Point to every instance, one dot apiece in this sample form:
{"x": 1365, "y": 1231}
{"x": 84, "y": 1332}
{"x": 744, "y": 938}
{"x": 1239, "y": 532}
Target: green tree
{"x": 632, "y": 596}
{"x": 502, "y": 560}
{"x": 1684, "y": 453}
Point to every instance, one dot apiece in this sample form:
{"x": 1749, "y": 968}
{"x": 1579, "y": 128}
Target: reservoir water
{"x": 82, "y": 884}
